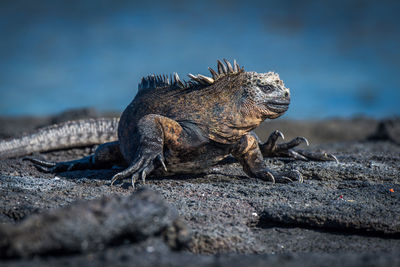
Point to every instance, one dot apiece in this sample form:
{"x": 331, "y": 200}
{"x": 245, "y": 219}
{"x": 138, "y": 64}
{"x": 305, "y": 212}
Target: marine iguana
{"x": 174, "y": 126}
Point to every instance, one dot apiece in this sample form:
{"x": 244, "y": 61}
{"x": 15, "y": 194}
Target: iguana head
{"x": 262, "y": 93}
{"x": 267, "y": 92}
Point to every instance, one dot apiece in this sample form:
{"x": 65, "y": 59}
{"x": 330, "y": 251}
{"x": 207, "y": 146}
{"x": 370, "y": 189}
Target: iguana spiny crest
{"x": 173, "y": 80}
{"x": 263, "y": 94}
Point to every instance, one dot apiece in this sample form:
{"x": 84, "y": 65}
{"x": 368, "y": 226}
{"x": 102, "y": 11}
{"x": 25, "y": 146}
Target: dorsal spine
{"x": 173, "y": 81}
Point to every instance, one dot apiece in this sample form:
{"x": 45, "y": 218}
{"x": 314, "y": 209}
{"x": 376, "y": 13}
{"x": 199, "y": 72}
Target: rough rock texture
{"x": 343, "y": 214}
{"x": 92, "y": 225}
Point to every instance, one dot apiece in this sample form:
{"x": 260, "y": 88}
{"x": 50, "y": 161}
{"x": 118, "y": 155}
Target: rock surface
{"x": 346, "y": 213}
{"x": 92, "y": 225}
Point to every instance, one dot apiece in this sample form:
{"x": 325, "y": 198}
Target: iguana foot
{"x": 106, "y": 155}
{"x": 144, "y": 164}
{"x": 248, "y": 153}
{"x": 283, "y": 177}
{"x": 55, "y": 167}
{"x": 272, "y": 149}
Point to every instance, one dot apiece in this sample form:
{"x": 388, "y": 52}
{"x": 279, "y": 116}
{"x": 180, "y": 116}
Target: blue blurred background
{"x": 339, "y": 58}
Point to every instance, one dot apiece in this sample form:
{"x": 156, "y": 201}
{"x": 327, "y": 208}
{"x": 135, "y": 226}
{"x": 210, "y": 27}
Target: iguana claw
{"x": 291, "y": 176}
{"x": 284, "y": 177}
{"x": 333, "y": 157}
{"x": 142, "y": 166}
{"x": 55, "y": 167}
{"x": 272, "y": 149}
{"x": 42, "y": 163}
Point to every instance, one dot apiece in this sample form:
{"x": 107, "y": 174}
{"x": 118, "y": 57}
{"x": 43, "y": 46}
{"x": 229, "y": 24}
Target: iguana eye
{"x": 267, "y": 88}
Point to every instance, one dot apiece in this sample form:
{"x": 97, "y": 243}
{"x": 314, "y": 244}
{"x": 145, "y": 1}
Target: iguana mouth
{"x": 278, "y": 106}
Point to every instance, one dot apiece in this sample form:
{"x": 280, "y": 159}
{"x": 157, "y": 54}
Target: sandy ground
{"x": 346, "y": 213}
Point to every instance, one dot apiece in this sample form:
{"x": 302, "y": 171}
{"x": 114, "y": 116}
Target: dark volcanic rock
{"x": 128, "y": 255}
{"x": 353, "y": 206}
{"x": 360, "y": 194}
{"x": 343, "y": 214}
{"x": 91, "y": 225}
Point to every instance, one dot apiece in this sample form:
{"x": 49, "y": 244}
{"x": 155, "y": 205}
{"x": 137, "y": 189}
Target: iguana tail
{"x": 64, "y": 135}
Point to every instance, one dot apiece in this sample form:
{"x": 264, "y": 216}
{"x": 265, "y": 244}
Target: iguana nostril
{"x": 286, "y": 94}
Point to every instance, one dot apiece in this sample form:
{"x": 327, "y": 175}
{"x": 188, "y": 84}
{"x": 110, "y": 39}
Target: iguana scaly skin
{"x": 60, "y": 136}
{"x": 173, "y": 127}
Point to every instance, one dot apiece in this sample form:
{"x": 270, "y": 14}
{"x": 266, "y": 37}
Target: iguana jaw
{"x": 278, "y": 106}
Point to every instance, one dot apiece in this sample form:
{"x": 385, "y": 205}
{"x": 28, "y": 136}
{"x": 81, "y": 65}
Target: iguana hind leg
{"x": 248, "y": 153}
{"x": 272, "y": 149}
{"x": 106, "y": 155}
{"x": 144, "y": 147}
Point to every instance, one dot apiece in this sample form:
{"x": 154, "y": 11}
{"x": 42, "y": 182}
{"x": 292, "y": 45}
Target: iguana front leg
{"x": 272, "y": 149}
{"x": 248, "y": 153}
